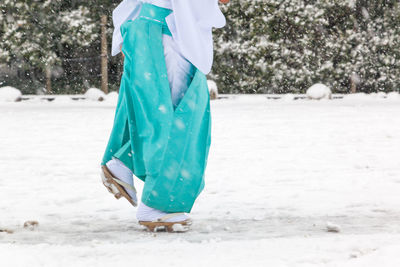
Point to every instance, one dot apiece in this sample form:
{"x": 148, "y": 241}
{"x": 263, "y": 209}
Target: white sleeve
{"x": 126, "y": 10}
{"x": 191, "y": 26}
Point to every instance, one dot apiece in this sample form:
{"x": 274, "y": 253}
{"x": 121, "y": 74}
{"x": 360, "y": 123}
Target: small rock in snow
{"x": 95, "y": 94}
{"x": 319, "y": 91}
{"x": 8, "y": 231}
{"x": 212, "y": 86}
{"x": 31, "y": 225}
{"x": 10, "y": 94}
{"x": 354, "y": 255}
{"x": 334, "y": 228}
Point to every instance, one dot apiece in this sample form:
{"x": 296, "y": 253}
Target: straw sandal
{"x": 115, "y": 186}
{"x": 162, "y": 224}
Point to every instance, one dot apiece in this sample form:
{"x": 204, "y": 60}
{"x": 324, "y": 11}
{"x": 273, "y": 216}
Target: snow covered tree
{"x": 278, "y": 43}
{"x": 287, "y": 45}
{"x": 268, "y": 46}
{"x": 375, "y": 55}
{"x": 235, "y": 67}
{"x": 37, "y": 34}
{"x": 365, "y": 47}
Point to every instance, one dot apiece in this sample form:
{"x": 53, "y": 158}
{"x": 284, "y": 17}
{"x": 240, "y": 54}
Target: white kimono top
{"x": 190, "y": 23}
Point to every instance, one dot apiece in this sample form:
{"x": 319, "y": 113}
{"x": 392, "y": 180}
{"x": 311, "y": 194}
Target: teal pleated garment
{"x": 167, "y": 148}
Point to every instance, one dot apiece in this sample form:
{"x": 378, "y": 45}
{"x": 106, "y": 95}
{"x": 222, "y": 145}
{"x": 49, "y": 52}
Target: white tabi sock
{"x": 147, "y": 214}
{"x": 120, "y": 171}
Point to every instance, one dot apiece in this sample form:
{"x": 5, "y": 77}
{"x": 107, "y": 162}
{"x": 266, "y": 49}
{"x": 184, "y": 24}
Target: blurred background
{"x": 268, "y": 46}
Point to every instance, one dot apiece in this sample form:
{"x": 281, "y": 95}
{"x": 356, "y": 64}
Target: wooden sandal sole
{"x": 118, "y": 191}
{"x": 167, "y": 226}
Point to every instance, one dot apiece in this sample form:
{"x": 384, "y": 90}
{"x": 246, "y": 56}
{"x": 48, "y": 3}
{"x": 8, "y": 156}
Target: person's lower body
{"x": 162, "y": 124}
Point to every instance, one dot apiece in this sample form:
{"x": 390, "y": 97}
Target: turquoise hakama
{"x": 163, "y": 145}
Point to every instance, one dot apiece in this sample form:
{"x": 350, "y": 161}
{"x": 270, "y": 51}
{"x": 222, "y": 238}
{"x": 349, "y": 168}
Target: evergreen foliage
{"x": 268, "y": 46}
{"x": 61, "y": 35}
{"x": 279, "y": 46}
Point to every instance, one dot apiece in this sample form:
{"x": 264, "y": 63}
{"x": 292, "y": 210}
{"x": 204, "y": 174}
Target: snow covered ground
{"x": 278, "y": 171}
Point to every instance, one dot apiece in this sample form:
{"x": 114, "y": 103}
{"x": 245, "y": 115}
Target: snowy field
{"x": 278, "y": 171}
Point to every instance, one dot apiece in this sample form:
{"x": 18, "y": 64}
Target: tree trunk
{"x": 354, "y": 82}
{"x": 48, "y": 79}
{"x": 104, "y": 56}
{"x": 353, "y": 88}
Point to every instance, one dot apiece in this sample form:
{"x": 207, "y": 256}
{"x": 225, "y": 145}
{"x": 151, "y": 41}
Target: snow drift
{"x": 319, "y": 91}
{"x": 95, "y": 94}
{"x": 112, "y": 97}
{"x": 10, "y": 94}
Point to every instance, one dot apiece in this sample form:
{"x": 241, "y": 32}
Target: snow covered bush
{"x": 267, "y": 46}
{"x": 38, "y": 39}
{"x": 319, "y": 91}
{"x": 38, "y": 35}
{"x": 283, "y": 46}
{"x": 213, "y": 88}
{"x": 10, "y": 94}
{"x": 95, "y": 94}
